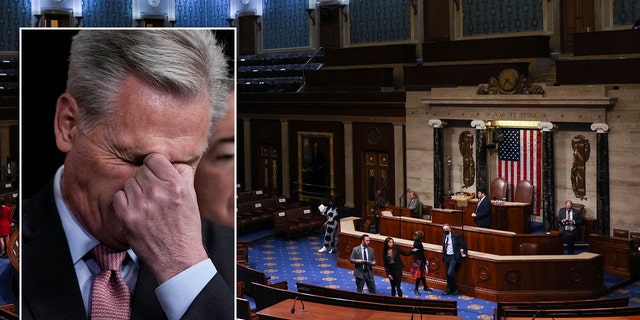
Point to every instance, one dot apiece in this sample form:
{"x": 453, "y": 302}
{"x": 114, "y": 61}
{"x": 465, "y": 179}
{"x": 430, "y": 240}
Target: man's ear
{"x": 65, "y": 122}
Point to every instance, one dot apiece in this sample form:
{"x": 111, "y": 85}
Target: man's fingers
{"x": 159, "y": 166}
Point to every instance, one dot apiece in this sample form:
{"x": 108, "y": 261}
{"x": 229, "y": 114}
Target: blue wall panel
{"x": 198, "y": 13}
{"x": 625, "y": 12}
{"x": 379, "y": 20}
{"x": 191, "y": 13}
{"x": 487, "y": 17}
{"x": 15, "y": 14}
{"x": 112, "y": 13}
{"x": 285, "y": 24}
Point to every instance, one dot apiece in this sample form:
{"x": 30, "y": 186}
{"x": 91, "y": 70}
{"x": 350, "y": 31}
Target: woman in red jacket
{"x": 6, "y": 218}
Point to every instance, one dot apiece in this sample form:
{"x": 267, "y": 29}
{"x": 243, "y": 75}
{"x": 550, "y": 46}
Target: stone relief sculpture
{"x": 465, "y": 143}
{"x": 581, "y": 150}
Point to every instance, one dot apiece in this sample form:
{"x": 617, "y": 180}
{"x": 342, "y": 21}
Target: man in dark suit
{"x": 363, "y": 257}
{"x": 452, "y": 245}
{"x": 215, "y": 187}
{"x": 133, "y": 128}
{"x": 570, "y": 219}
{"x": 482, "y": 214}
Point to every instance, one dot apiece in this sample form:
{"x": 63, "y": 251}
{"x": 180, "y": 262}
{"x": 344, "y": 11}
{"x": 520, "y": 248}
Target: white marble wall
{"x": 564, "y": 105}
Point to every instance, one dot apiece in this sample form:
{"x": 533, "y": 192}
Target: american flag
{"x": 519, "y": 159}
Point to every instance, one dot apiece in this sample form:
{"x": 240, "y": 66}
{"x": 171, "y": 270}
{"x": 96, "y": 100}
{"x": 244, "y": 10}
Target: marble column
{"x": 285, "y": 171}
{"x": 399, "y": 151}
{"x": 603, "y": 221}
{"x": 349, "y": 198}
{"x": 481, "y": 156}
{"x": 548, "y": 174}
{"x": 247, "y": 155}
{"x": 438, "y": 162}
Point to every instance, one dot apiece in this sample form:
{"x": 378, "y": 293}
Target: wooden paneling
{"x": 247, "y": 34}
{"x": 482, "y": 49}
{"x": 606, "y": 42}
{"x": 620, "y": 254}
{"x": 377, "y": 138}
{"x": 436, "y": 20}
{"x": 369, "y": 79}
{"x": 597, "y": 71}
{"x": 507, "y": 216}
{"x": 577, "y": 16}
{"x": 478, "y": 239}
{"x": 426, "y": 77}
{"x": 400, "y": 53}
{"x": 494, "y": 277}
{"x": 372, "y": 104}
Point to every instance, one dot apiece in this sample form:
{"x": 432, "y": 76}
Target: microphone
{"x": 536, "y": 314}
{"x": 293, "y": 308}
{"x": 413, "y": 310}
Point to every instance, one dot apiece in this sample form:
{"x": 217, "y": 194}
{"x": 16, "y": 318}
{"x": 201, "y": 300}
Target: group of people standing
{"x": 454, "y": 248}
{"x": 363, "y": 257}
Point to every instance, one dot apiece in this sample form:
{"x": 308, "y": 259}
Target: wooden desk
{"x": 490, "y": 276}
{"x": 478, "y": 239}
{"x": 398, "y": 211}
{"x": 282, "y": 310}
{"x": 453, "y": 217}
{"x": 620, "y": 255}
{"x": 508, "y": 216}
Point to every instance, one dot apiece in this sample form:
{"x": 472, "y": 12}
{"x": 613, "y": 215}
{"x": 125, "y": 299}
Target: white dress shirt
{"x": 175, "y": 295}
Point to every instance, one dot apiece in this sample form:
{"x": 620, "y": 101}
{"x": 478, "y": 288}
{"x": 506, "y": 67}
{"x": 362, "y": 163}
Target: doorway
{"x": 330, "y": 26}
{"x": 577, "y": 16}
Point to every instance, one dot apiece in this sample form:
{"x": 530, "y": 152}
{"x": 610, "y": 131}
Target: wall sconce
{"x": 173, "y": 23}
{"x": 311, "y": 16}
{"x": 230, "y": 21}
{"x": 38, "y": 17}
{"x": 78, "y": 21}
{"x": 345, "y": 15}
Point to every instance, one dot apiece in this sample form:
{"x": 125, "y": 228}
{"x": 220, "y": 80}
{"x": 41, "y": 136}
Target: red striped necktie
{"x": 110, "y": 296}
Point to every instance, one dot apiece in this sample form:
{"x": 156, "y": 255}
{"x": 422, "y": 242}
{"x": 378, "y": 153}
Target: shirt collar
{"x": 79, "y": 239}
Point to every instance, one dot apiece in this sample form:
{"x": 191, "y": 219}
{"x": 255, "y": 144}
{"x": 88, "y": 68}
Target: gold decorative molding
{"x": 522, "y": 86}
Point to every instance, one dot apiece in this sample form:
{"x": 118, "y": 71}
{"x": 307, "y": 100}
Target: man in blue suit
{"x": 452, "y": 245}
{"x": 482, "y": 214}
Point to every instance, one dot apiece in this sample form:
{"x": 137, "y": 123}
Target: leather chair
{"x": 498, "y": 189}
{"x": 524, "y": 192}
{"x": 529, "y": 248}
{"x": 365, "y": 227}
{"x": 621, "y": 233}
{"x": 635, "y": 235}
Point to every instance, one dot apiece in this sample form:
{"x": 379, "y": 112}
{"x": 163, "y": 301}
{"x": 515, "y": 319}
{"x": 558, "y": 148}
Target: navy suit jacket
{"x": 483, "y": 213}
{"x": 577, "y": 217}
{"x": 50, "y": 287}
{"x": 458, "y": 243}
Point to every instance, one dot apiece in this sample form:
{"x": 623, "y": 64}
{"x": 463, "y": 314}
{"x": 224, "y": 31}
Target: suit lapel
{"x": 144, "y": 303}
{"x": 50, "y": 286}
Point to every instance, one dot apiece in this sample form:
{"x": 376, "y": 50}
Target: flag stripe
{"x": 519, "y": 159}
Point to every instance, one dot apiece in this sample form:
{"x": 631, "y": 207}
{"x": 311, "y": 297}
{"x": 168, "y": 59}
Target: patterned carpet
{"x": 7, "y": 273}
{"x": 298, "y": 261}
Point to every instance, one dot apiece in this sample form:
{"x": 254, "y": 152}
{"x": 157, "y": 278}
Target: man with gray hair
{"x": 117, "y": 233}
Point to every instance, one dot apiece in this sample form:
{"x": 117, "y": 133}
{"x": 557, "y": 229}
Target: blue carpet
{"x": 7, "y": 272}
{"x": 297, "y": 260}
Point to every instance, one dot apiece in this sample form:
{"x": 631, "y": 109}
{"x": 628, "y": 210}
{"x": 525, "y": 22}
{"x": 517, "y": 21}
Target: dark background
{"x": 44, "y": 64}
